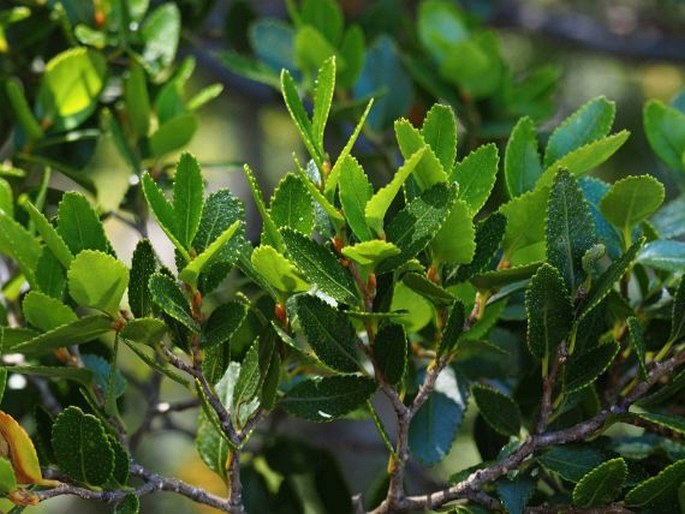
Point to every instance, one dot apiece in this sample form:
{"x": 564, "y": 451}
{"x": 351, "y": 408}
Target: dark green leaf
{"x": 247, "y": 385}
{"x": 222, "y": 323}
{"x": 149, "y": 331}
{"x": 390, "y": 350}
{"x": 492, "y": 280}
{"x": 571, "y": 462}
{"x": 79, "y": 226}
{"x": 515, "y": 494}
{"x": 414, "y": 226}
{"x": 498, "y": 409}
{"x": 188, "y": 198}
{"x": 143, "y": 265}
{"x": 570, "y": 231}
{"x": 589, "y": 123}
{"x": 81, "y": 446}
{"x": 173, "y": 135}
{"x": 637, "y": 341}
{"x": 298, "y": 114}
{"x": 476, "y": 175}
{"x": 167, "y": 295}
{"x": 678, "y": 316}
{"x": 594, "y": 190}
{"x": 522, "y": 166}
{"x": 419, "y": 283}
{"x": 329, "y": 333}
{"x": 221, "y": 210}
{"x": 434, "y": 427}
{"x": 137, "y": 100}
{"x": 122, "y": 461}
{"x": 674, "y": 423}
{"x": 81, "y": 375}
{"x": 583, "y": 369}
{"x": 658, "y": 490}
{"x": 291, "y": 206}
{"x": 128, "y": 505}
{"x": 549, "y": 311}
{"x": 80, "y": 331}
{"x": 320, "y": 266}
{"x": 601, "y": 485}
{"x": 325, "y": 14}
{"x": 453, "y": 329}
{"x": 101, "y": 371}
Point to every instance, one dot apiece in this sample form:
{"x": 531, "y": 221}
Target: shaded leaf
{"x": 148, "y": 331}
{"x": 663, "y": 255}
{"x": 637, "y": 341}
{"x": 658, "y": 490}
{"x": 489, "y": 234}
{"x": 143, "y": 265}
{"x": 601, "y": 485}
{"x": 390, "y": 349}
{"x": 498, "y": 409}
{"x": 167, "y": 295}
{"x": 572, "y": 462}
{"x": 80, "y": 331}
{"x": 453, "y": 329}
{"x": 583, "y": 369}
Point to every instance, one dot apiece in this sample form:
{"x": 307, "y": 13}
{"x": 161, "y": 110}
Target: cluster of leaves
{"x": 550, "y": 314}
{"x": 445, "y": 54}
{"x": 90, "y": 89}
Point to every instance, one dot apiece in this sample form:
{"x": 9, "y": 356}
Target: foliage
{"x": 548, "y": 317}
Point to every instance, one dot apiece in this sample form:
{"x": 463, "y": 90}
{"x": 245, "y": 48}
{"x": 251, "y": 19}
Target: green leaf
{"x": 429, "y": 170}
{"x": 493, "y": 280}
{"x": 632, "y": 200}
{"x": 453, "y": 329}
{"x": 98, "y": 280}
{"x": 637, "y": 341}
{"x": 355, "y": 193}
{"x": 329, "y": 333}
{"x": 167, "y": 295}
{"x": 602, "y": 485}
{"x": 665, "y": 130}
{"x": 49, "y": 234}
{"x": 128, "y": 505}
{"x": 678, "y": 312}
{"x": 6, "y": 198}
{"x": 585, "y": 158}
{"x": 583, "y": 369}
{"x": 82, "y": 449}
{"x": 605, "y": 283}
{"x": 324, "y": 399}
{"x": 137, "y": 100}
{"x": 51, "y": 277}
{"x": 378, "y": 204}
{"x": 663, "y": 255}
{"x": 353, "y": 50}
{"x": 22, "y": 110}
{"x": 570, "y": 231}
{"x": 45, "y": 312}
{"x": 149, "y": 331}
{"x": 71, "y": 85}
{"x": 390, "y": 351}
{"x": 17, "y": 242}
{"x": 549, "y": 311}
{"x": 572, "y": 462}
{"x": 80, "y": 331}
{"x": 674, "y": 423}
{"x": 336, "y": 171}
{"x": 247, "y": 385}
{"x": 416, "y": 225}
{"x": 196, "y": 266}
{"x": 417, "y": 311}
{"x": 658, "y": 490}
{"x": 163, "y": 212}
{"x": 522, "y": 166}
{"x": 323, "y": 96}
{"x": 370, "y": 253}
{"x": 272, "y": 235}
{"x": 440, "y": 27}
{"x": 321, "y": 267}
{"x": 515, "y": 494}
{"x": 312, "y": 49}
{"x": 326, "y": 15}
{"x": 79, "y": 225}
{"x": 498, "y": 409}
{"x": 525, "y": 232}
{"x": 173, "y": 135}
{"x": 669, "y": 221}
{"x": 188, "y": 198}
{"x": 589, "y": 123}
{"x": 476, "y": 175}
{"x": 440, "y": 132}
{"x": 312, "y": 178}
{"x": 291, "y": 206}
{"x": 278, "y": 271}
{"x": 419, "y": 283}
{"x": 143, "y": 265}
{"x": 8, "y": 482}
{"x": 299, "y": 115}
{"x": 455, "y": 242}
{"x": 82, "y": 376}
{"x": 224, "y": 321}
{"x": 161, "y": 31}
{"x": 434, "y": 427}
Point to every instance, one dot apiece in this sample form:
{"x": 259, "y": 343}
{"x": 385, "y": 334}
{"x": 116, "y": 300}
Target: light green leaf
{"x": 46, "y": 313}
{"x": 493, "y": 280}
{"x": 272, "y": 235}
{"x": 80, "y": 226}
{"x": 17, "y": 242}
{"x": 429, "y": 170}
{"x": 522, "y": 166}
{"x": 6, "y": 198}
{"x": 137, "y": 100}
{"x": 632, "y": 200}
{"x": 455, "y": 242}
{"x": 378, "y": 205}
{"x": 658, "y": 490}
{"x": 355, "y": 193}
{"x": 370, "y": 253}
{"x": 22, "y": 110}
{"x": 299, "y": 115}
{"x": 487, "y": 239}
{"x": 570, "y": 231}
{"x": 188, "y": 198}
{"x": 167, "y": 295}
{"x": 665, "y": 130}
{"x": 329, "y": 333}
{"x": 163, "y": 212}
{"x": 278, "y": 271}
{"x": 498, "y": 409}
{"x": 49, "y": 234}
{"x": 325, "y": 14}
{"x": 97, "y": 280}
{"x": 8, "y": 482}
{"x": 191, "y": 272}
{"x": 324, "y": 399}
{"x": 582, "y": 370}
{"x": 602, "y": 485}
{"x": 161, "y": 31}
{"x": 204, "y": 96}
{"x": 321, "y": 267}
{"x": 549, "y": 311}
{"x": 82, "y": 449}
{"x": 51, "y": 277}
{"x": 589, "y": 123}
{"x": 323, "y": 96}
{"x": 476, "y": 175}
{"x": 291, "y": 206}
{"x": 149, "y": 331}
{"x": 173, "y": 135}
{"x": 440, "y": 132}
{"x": 525, "y": 230}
